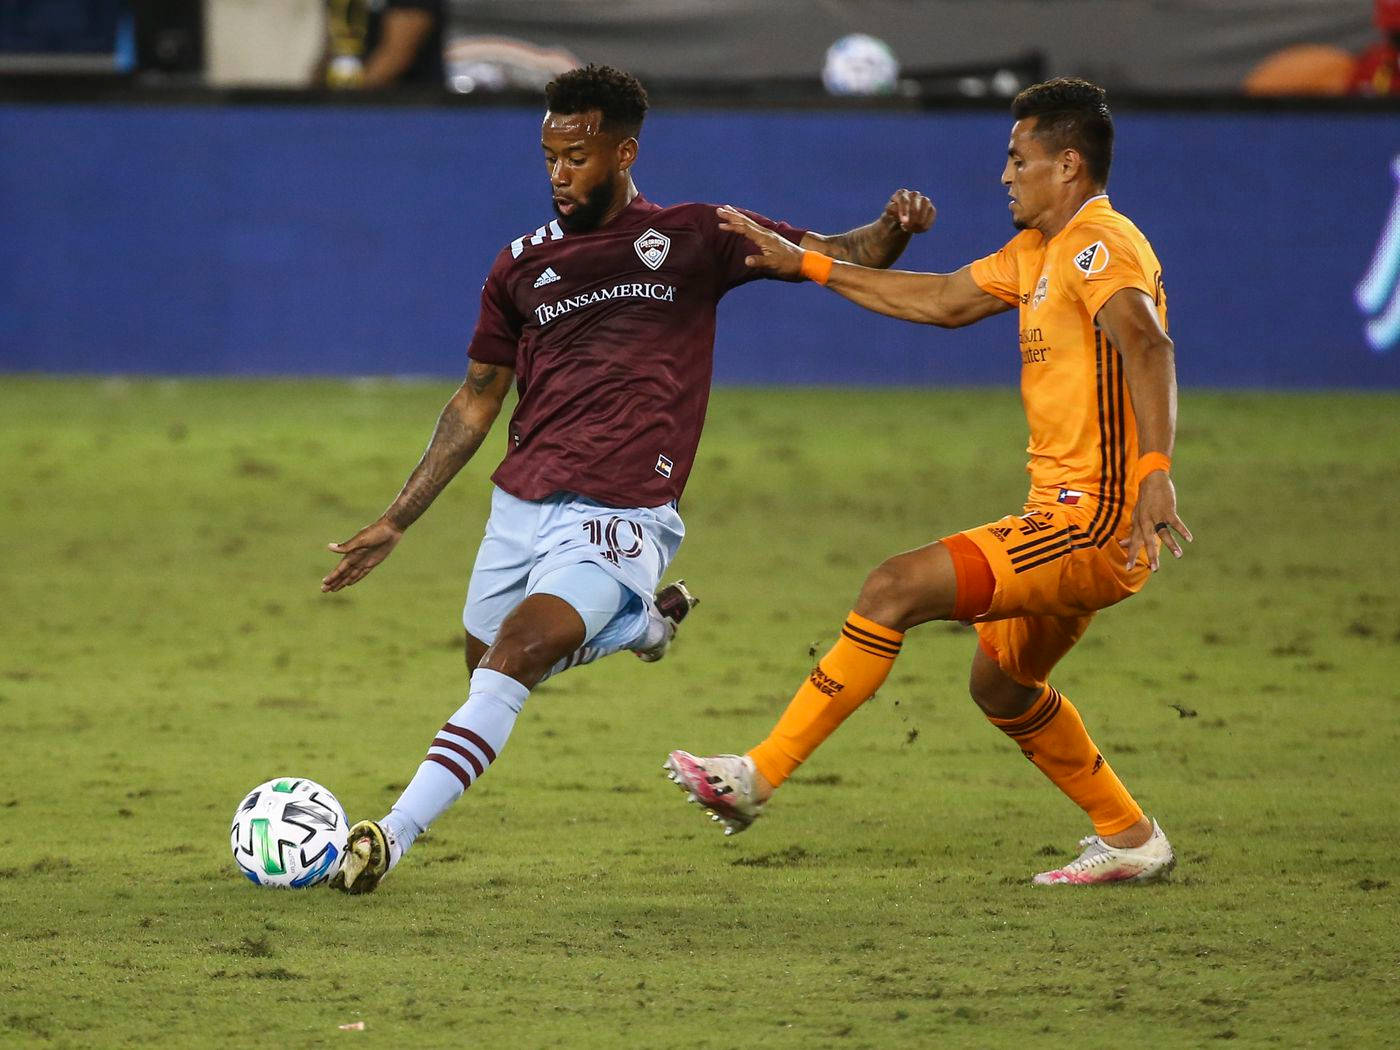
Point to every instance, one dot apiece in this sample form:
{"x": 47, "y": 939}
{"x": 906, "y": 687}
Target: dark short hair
{"x": 1071, "y": 114}
{"x": 619, "y": 96}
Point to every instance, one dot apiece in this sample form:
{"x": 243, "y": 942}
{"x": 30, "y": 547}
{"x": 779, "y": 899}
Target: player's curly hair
{"x": 618, "y": 95}
{"x": 1071, "y": 114}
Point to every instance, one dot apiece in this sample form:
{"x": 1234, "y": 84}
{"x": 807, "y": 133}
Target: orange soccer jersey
{"x": 1057, "y": 563}
{"x": 1083, "y": 436}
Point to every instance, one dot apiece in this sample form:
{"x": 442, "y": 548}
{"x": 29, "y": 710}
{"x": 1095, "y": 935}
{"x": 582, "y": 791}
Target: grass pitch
{"x": 165, "y": 648}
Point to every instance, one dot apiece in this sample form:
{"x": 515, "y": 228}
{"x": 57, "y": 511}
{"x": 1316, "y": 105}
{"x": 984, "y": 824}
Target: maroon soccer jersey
{"x": 612, "y": 335}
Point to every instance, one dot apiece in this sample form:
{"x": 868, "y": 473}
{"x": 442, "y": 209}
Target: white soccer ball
{"x": 860, "y": 64}
{"x": 290, "y": 832}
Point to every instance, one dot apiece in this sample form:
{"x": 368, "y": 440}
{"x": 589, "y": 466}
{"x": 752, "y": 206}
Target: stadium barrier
{"x": 306, "y": 239}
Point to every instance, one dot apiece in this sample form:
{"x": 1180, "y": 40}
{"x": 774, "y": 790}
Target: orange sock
{"x": 845, "y": 678}
{"x": 1052, "y": 735}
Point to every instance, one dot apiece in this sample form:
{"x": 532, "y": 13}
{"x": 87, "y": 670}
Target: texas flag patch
{"x": 1069, "y": 497}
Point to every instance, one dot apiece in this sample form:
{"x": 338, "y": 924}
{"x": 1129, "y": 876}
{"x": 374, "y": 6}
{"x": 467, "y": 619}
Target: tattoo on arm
{"x": 877, "y": 244}
{"x": 481, "y": 378}
{"x": 461, "y": 428}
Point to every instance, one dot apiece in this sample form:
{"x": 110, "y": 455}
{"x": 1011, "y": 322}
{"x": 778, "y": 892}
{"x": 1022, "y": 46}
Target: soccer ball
{"x": 290, "y": 832}
{"x": 859, "y": 64}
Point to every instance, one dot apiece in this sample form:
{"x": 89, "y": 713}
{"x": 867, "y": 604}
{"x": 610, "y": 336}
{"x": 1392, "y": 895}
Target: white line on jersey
{"x": 552, "y": 232}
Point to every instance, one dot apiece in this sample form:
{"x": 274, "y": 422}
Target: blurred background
{"x": 293, "y": 187}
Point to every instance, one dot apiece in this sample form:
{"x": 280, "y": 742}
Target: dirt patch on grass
{"x": 784, "y": 858}
{"x": 820, "y": 780}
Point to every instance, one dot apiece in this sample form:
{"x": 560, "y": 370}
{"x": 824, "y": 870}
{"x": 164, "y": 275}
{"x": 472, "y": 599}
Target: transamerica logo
{"x": 547, "y": 312}
{"x": 1378, "y": 294}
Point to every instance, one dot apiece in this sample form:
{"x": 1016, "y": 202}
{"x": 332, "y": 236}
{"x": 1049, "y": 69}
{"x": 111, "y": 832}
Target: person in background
{"x": 373, "y": 44}
{"x": 1320, "y": 69}
{"x": 1377, "y": 69}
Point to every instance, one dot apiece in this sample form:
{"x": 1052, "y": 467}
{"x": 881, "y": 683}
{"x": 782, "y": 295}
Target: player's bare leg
{"x": 475, "y": 650}
{"x": 542, "y": 630}
{"x": 912, "y": 588}
{"x": 670, "y": 605}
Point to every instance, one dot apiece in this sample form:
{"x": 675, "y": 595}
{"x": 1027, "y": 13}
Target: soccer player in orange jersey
{"x": 1098, "y": 382}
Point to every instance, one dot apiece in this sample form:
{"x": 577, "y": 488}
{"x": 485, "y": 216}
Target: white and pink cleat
{"x": 1101, "y": 863}
{"x": 722, "y": 784}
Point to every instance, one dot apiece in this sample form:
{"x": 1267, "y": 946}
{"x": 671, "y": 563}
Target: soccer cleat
{"x": 366, "y": 859}
{"x": 1102, "y": 863}
{"x": 722, "y": 784}
{"x": 674, "y": 603}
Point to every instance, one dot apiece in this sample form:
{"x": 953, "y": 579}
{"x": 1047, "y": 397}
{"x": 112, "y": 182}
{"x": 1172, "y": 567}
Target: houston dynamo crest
{"x": 1378, "y": 294}
{"x": 652, "y": 248}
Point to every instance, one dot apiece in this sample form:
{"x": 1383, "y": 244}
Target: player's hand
{"x": 778, "y": 257}
{"x": 1155, "y": 520}
{"x": 910, "y": 211}
{"x": 360, "y": 553}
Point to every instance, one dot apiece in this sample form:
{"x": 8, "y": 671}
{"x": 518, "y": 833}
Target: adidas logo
{"x": 548, "y": 277}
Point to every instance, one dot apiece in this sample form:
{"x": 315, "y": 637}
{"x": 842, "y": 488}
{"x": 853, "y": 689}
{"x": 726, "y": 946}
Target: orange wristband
{"x": 1151, "y": 461}
{"x": 816, "y": 267}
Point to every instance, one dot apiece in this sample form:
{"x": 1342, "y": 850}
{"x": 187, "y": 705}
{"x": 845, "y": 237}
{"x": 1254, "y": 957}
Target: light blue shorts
{"x": 531, "y": 547}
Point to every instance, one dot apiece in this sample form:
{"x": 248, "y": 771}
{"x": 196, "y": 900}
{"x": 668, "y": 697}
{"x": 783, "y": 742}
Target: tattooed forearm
{"x": 878, "y": 244}
{"x": 454, "y": 442}
{"x": 461, "y": 429}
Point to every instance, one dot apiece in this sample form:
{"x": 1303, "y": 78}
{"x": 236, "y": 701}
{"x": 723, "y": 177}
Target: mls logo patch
{"x": 1042, "y": 286}
{"x": 652, "y": 248}
{"x": 1092, "y": 259}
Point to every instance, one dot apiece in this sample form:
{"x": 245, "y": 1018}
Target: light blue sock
{"x": 465, "y": 746}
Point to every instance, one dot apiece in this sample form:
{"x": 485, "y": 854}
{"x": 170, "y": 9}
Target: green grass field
{"x": 166, "y": 647}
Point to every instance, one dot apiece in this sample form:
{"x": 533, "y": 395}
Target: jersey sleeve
{"x": 730, "y": 248}
{"x": 1100, "y": 263}
{"x": 997, "y": 274}
{"x": 499, "y": 324}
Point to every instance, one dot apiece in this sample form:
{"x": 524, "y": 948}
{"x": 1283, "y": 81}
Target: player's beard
{"x": 589, "y": 212}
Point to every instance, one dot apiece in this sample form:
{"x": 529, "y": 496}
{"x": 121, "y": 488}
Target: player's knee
{"x": 524, "y": 652}
{"x": 999, "y": 696}
{"x": 889, "y": 598}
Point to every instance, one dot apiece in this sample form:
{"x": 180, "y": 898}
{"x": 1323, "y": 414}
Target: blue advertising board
{"x": 353, "y": 240}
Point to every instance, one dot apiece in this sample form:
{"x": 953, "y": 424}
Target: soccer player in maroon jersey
{"x": 604, "y": 318}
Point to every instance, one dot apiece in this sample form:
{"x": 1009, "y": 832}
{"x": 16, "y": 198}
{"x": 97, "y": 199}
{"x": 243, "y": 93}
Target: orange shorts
{"x": 1051, "y": 577}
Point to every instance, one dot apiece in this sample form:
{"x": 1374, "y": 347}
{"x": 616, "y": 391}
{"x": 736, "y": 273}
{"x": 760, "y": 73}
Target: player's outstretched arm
{"x": 880, "y": 243}
{"x": 1149, "y": 364}
{"x": 949, "y": 300}
{"x": 461, "y": 428}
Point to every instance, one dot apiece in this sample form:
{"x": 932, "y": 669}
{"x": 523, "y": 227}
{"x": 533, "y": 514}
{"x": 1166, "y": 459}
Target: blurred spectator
{"x": 372, "y": 44}
{"x": 1318, "y": 69}
{"x": 1377, "y": 70}
{"x": 500, "y": 63}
